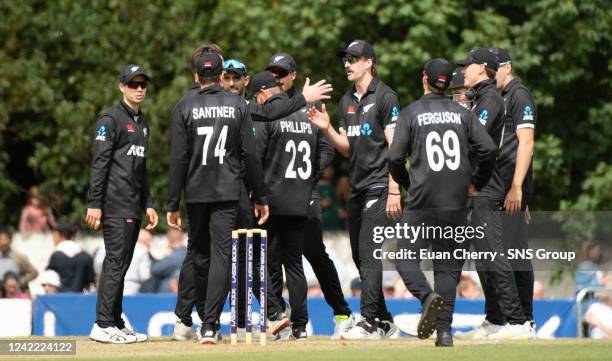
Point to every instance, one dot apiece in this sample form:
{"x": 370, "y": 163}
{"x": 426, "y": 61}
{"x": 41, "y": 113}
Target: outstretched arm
{"x": 321, "y": 120}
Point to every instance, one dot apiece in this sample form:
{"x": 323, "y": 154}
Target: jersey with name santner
{"x": 211, "y": 135}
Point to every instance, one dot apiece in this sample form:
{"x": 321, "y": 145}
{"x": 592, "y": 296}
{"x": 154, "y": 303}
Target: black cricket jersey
{"x": 290, "y": 154}
{"x": 119, "y": 183}
{"x": 521, "y": 112}
{"x": 211, "y": 133}
{"x": 439, "y": 135}
{"x": 365, "y": 120}
{"x": 488, "y": 106}
{"x": 326, "y": 149}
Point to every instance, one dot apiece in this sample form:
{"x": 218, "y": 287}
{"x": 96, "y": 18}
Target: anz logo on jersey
{"x": 483, "y": 117}
{"x": 527, "y": 113}
{"x": 137, "y": 151}
{"x": 101, "y": 134}
{"x": 364, "y": 129}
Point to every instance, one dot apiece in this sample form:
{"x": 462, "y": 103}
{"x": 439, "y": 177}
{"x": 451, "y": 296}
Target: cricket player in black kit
{"x": 118, "y": 195}
{"x": 211, "y": 135}
{"x": 368, "y": 114}
{"x": 234, "y": 79}
{"x": 284, "y": 68}
{"x": 479, "y": 72}
{"x": 439, "y": 136}
{"x": 186, "y": 297}
{"x": 514, "y": 164}
{"x": 290, "y": 154}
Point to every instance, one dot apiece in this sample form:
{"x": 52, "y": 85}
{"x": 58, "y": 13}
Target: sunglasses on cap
{"x": 351, "y": 59}
{"x": 234, "y": 64}
{"x": 279, "y": 73}
{"x": 136, "y": 84}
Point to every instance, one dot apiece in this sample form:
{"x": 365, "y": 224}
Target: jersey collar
{"x": 213, "y": 89}
{"x": 371, "y": 88}
{"x": 291, "y": 92}
{"x": 129, "y": 110}
{"x": 513, "y": 83}
{"x": 484, "y": 86}
{"x": 433, "y": 96}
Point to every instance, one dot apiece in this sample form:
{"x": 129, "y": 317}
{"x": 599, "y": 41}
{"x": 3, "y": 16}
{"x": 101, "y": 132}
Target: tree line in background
{"x": 61, "y": 60}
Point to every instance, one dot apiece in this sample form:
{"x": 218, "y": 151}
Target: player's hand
{"x": 472, "y": 191}
{"x": 527, "y": 215}
{"x": 319, "y": 119}
{"x": 262, "y": 212}
{"x": 94, "y": 218}
{"x": 316, "y": 92}
{"x": 394, "y": 206}
{"x": 513, "y": 200}
{"x": 174, "y": 220}
{"x": 153, "y": 219}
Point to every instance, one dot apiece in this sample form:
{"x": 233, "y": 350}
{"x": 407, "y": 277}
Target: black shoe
{"x": 298, "y": 333}
{"x": 386, "y": 328}
{"x": 209, "y": 337}
{"x": 431, "y": 308}
{"x": 444, "y": 339}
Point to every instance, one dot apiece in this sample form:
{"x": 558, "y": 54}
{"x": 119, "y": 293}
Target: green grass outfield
{"x": 319, "y": 348}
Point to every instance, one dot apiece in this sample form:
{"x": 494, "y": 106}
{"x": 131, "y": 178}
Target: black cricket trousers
{"x": 285, "y": 241}
{"x": 447, "y": 272}
{"x": 366, "y": 211}
{"x": 502, "y": 302}
{"x": 211, "y": 226}
{"x": 322, "y": 265}
{"x": 120, "y": 236}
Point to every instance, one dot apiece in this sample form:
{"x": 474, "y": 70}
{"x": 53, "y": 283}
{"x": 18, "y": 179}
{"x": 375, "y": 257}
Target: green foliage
{"x": 60, "y": 61}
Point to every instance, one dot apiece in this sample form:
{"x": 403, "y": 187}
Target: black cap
{"x": 358, "y": 48}
{"x": 209, "y": 64}
{"x": 458, "y": 79}
{"x": 262, "y": 81}
{"x": 283, "y": 61}
{"x": 480, "y": 56}
{"x": 439, "y": 73}
{"x": 130, "y": 71}
{"x": 503, "y": 56}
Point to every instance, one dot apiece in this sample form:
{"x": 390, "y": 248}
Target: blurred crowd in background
{"x": 70, "y": 268}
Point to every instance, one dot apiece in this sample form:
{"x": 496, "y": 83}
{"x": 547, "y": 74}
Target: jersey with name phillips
{"x": 211, "y": 133}
{"x": 365, "y": 120}
{"x": 439, "y": 135}
{"x": 290, "y": 152}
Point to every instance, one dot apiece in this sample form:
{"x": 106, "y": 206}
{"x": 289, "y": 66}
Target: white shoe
{"x": 481, "y": 332}
{"x": 342, "y": 325}
{"x": 363, "y": 330}
{"x": 514, "y": 332}
{"x": 140, "y": 337}
{"x": 182, "y": 332}
{"x": 110, "y": 335}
